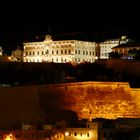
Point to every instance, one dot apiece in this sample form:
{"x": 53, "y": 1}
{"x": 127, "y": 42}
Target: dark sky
{"x": 83, "y": 20}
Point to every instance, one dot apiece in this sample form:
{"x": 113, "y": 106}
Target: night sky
{"x": 83, "y": 20}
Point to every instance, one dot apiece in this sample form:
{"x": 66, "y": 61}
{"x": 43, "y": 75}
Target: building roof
{"x": 127, "y": 45}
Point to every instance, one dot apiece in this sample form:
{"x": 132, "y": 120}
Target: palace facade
{"x": 73, "y": 51}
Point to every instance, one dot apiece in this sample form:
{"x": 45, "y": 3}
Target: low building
{"x": 64, "y": 51}
{"x": 123, "y": 49}
{"x": 99, "y": 129}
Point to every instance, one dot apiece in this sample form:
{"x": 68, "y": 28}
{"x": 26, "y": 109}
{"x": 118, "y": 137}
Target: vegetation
{"x": 135, "y": 54}
{"x": 52, "y": 73}
{"x": 114, "y": 55}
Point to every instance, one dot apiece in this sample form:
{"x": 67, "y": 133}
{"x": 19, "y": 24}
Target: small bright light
{"x": 10, "y": 135}
{"x": 96, "y": 57}
{"x": 66, "y": 133}
{"x": 9, "y": 58}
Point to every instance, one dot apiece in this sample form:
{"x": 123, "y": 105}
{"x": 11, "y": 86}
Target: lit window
{"x": 66, "y": 133}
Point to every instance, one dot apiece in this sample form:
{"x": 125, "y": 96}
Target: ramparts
{"x": 88, "y": 99}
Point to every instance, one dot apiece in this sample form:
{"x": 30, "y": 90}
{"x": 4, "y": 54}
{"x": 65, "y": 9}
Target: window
{"x": 56, "y": 51}
{"x": 75, "y": 134}
{"x": 26, "y": 53}
{"x": 86, "y": 52}
{"x": 83, "y": 52}
{"x": 30, "y": 53}
{"x": 33, "y": 53}
{"x": 69, "y": 51}
{"x": 47, "y": 51}
{"x": 90, "y": 53}
{"x": 75, "y": 51}
{"x": 87, "y": 134}
{"x": 42, "y": 52}
{"x": 52, "y": 52}
{"x": 65, "y": 51}
{"x": 93, "y": 53}
{"x": 79, "y": 52}
{"x": 61, "y": 51}
{"x": 38, "y": 53}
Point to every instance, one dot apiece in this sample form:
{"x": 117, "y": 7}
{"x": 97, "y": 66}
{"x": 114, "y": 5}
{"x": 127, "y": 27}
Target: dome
{"x": 48, "y": 38}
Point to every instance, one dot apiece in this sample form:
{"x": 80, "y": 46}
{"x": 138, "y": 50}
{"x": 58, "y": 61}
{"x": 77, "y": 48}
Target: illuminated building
{"x": 106, "y": 47}
{"x": 17, "y": 55}
{"x": 73, "y": 51}
{"x": 99, "y": 129}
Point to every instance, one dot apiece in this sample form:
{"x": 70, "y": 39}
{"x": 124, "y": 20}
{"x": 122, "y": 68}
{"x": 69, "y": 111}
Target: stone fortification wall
{"x": 87, "y": 99}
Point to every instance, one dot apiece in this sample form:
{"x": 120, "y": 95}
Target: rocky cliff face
{"x": 88, "y": 99}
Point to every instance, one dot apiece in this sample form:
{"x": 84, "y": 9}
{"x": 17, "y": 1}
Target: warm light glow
{"x": 9, "y": 58}
{"x": 96, "y": 57}
{"x": 8, "y": 137}
{"x": 66, "y": 133}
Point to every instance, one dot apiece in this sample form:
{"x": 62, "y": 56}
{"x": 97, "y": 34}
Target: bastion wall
{"x": 89, "y": 100}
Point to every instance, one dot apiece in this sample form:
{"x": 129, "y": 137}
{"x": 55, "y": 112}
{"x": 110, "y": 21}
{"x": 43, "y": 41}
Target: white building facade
{"x": 106, "y": 47}
{"x": 65, "y": 51}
